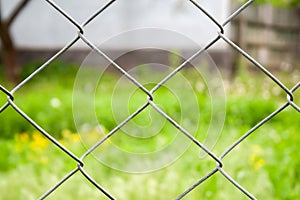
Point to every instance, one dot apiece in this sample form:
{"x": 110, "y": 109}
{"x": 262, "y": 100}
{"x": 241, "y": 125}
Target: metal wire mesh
{"x": 220, "y": 35}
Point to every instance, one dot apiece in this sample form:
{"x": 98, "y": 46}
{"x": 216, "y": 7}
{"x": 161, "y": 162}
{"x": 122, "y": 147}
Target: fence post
{"x": 241, "y": 40}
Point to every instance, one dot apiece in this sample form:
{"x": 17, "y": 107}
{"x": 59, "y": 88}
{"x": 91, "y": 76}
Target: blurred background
{"x": 139, "y": 34}
{"x": 31, "y": 30}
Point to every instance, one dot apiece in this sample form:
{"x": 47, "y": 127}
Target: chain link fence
{"x": 220, "y": 35}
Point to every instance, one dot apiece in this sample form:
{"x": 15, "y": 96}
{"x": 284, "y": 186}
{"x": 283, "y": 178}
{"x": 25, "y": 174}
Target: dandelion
{"x": 39, "y": 142}
{"x": 256, "y": 159}
{"x": 69, "y": 136}
{"x": 74, "y": 137}
{"x": 92, "y": 135}
{"x": 22, "y": 138}
{"x": 62, "y": 142}
{"x": 257, "y": 162}
{"x": 66, "y": 133}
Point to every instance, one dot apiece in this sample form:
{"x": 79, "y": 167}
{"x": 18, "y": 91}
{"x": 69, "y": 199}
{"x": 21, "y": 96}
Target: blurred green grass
{"x": 267, "y": 163}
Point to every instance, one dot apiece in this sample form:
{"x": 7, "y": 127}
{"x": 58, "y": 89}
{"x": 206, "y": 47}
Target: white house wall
{"x": 40, "y": 26}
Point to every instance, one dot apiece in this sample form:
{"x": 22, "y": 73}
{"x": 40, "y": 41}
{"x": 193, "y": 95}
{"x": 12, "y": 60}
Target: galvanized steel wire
{"x": 220, "y": 35}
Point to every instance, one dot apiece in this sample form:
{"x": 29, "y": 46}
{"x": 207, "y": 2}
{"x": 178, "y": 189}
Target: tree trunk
{"x": 9, "y": 55}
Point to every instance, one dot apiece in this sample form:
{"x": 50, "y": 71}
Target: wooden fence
{"x": 272, "y": 35}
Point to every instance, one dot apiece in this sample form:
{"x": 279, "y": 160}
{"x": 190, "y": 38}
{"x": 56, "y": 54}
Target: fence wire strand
{"x": 220, "y": 35}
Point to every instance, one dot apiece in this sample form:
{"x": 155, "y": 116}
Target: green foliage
{"x": 268, "y": 157}
{"x": 38, "y": 96}
{"x": 279, "y": 3}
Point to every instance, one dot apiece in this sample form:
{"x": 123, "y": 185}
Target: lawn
{"x": 149, "y": 158}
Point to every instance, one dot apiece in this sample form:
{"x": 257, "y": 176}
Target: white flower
{"x": 55, "y": 103}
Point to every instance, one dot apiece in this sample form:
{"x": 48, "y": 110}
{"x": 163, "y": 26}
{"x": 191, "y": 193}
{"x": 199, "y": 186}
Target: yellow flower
{"x": 256, "y": 159}
{"x": 69, "y": 136}
{"x": 62, "y": 142}
{"x": 93, "y": 136}
{"x": 66, "y": 133}
{"x": 74, "y": 137}
{"x": 22, "y": 138}
{"x": 39, "y": 142}
{"x": 260, "y": 163}
{"x": 257, "y": 162}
